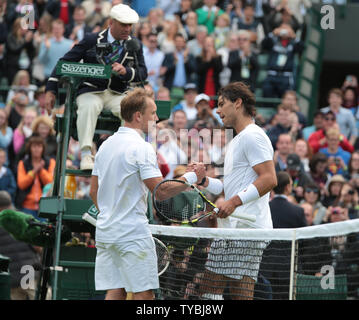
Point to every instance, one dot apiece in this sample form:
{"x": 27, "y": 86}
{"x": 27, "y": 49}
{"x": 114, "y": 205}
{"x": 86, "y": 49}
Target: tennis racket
{"x": 179, "y": 202}
{"x": 163, "y": 254}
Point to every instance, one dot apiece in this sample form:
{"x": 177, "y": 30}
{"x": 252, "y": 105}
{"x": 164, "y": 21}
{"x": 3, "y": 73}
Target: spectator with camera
{"x": 205, "y": 117}
{"x": 96, "y": 94}
{"x": 282, "y": 14}
{"x": 282, "y": 46}
{"x": 336, "y": 213}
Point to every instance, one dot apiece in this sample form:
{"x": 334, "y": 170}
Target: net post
{"x": 292, "y": 263}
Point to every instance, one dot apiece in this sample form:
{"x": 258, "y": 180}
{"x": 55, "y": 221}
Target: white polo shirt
{"x": 123, "y": 161}
{"x": 247, "y": 149}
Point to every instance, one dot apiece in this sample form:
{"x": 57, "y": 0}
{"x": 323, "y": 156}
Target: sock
{"x": 85, "y": 152}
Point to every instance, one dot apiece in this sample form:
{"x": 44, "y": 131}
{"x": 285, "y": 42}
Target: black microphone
{"x": 132, "y": 45}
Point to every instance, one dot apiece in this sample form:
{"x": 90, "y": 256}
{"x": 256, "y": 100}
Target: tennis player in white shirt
{"x": 249, "y": 176}
{"x": 125, "y": 169}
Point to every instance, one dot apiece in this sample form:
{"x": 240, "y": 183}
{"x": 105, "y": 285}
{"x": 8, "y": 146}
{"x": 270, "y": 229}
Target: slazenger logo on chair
{"x": 82, "y": 70}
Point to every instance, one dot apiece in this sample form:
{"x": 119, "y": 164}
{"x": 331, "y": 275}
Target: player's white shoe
{"x": 87, "y": 162}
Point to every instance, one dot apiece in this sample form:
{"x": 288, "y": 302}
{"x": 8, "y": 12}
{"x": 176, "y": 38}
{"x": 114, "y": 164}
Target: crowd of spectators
{"x": 191, "y": 49}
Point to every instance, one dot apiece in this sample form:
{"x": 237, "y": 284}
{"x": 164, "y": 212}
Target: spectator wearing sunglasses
{"x": 312, "y": 196}
{"x": 318, "y": 139}
{"x": 344, "y": 117}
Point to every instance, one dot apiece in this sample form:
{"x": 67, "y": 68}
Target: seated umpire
{"x": 96, "y": 94}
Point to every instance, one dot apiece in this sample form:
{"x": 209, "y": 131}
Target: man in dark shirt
{"x": 276, "y": 258}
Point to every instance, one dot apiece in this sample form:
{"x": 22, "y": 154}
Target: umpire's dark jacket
{"x": 86, "y": 50}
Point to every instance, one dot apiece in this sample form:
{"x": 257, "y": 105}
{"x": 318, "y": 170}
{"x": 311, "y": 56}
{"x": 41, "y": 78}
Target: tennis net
{"x": 316, "y": 263}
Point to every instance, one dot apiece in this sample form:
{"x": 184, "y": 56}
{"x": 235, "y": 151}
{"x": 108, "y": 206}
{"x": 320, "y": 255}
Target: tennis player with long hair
{"x": 249, "y": 176}
{"x": 125, "y": 169}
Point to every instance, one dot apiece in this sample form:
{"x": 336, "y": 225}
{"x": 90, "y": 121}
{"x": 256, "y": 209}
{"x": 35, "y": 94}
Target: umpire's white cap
{"x": 123, "y": 13}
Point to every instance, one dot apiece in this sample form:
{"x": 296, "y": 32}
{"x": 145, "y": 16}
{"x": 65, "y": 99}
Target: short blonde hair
{"x": 224, "y": 16}
{"x": 333, "y": 132}
{"x": 19, "y": 75}
{"x": 134, "y": 101}
{"x": 46, "y": 120}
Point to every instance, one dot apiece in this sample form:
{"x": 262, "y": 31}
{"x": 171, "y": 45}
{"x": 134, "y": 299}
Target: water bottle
{"x": 70, "y": 187}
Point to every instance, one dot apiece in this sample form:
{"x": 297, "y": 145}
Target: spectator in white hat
{"x": 205, "y": 117}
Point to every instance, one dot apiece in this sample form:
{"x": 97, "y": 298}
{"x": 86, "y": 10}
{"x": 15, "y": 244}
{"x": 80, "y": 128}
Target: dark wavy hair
{"x": 318, "y": 157}
{"x": 239, "y": 90}
{"x": 35, "y": 140}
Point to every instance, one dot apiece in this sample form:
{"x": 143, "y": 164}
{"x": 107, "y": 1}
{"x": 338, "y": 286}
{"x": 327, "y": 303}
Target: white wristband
{"x": 191, "y": 177}
{"x": 249, "y": 194}
{"x": 215, "y": 186}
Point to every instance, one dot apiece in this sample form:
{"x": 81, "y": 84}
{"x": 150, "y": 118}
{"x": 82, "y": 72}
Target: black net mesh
{"x": 222, "y": 267}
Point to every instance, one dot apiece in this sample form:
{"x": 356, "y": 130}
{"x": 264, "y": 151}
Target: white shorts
{"x": 130, "y": 265}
